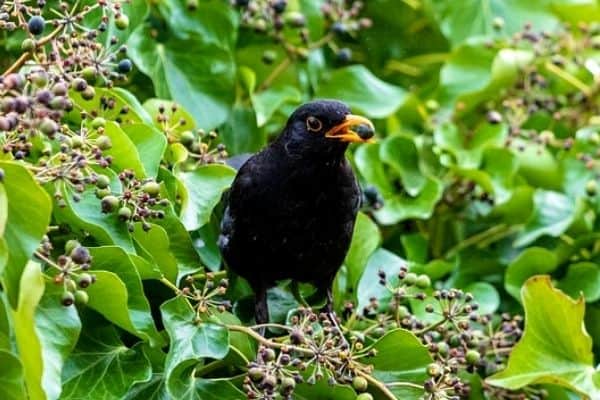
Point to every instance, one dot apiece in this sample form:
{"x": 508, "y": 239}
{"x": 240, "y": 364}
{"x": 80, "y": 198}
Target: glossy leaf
{"x": 555, "y": 347}
{"x": 11, "y": 377}
{"x": 582, "y": 278}
{"x": 532, "y": 261}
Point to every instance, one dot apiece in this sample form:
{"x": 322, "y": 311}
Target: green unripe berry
{"x": 125, "y": 213}
{"x": 28, "y": 45}
{"x": 287, "y": 384}
{"x": 79, "y": 84}
{"x": 48, "y": 127}
{"x": 187, "y": 138}
{"x": 67, "y": 299}
{"x": 591, "y": 187}
{"x": 84, "y": 280}
{"x": 122, "y": 22}
{"x": 98, "y": 122}
{"x": 423, "y": 282}
{"x": 81, "y": 297}
{"x": 269, "y": 355}
{"x": 434, "y": 370}
{"x": 498, "y": 23}
{"x": 101, "y": 193}
{"x": 410, "y": 278}
{"x": 360, "y": 384}
{"x": 269, "y": 56}
{"x": 403, "y": 312}
{"x": 102, "y": 181}
{"x": 71, "y": 245}
{"x": 40, "y": 79}
{"x": 109, "y": 203}
{"x": 472, "y": 357}
{"x": 152, "y": 188}
{"x": 443, "y": 348}
{"x": 103, "y": 142}
{"x": 256, "y": 374}
{"x": 269, "y": 382}
{"x": 364, "y": 396}
{"x": 89, "y": 74}
{"x": 76, "y": 142}
{"x": 88, "y": 93}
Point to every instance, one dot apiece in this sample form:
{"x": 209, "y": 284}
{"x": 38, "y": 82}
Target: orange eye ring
{"x": 313, "y": 124}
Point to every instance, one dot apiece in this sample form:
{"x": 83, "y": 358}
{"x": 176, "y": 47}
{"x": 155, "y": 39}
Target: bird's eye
{"x": 313, "y": 124}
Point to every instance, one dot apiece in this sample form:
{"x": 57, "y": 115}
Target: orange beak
{"x": 354, "y": 129}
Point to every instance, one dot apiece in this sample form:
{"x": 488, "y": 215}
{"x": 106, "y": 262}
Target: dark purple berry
{"x": 125, "y": 66}
{"x": 36, "y": 25}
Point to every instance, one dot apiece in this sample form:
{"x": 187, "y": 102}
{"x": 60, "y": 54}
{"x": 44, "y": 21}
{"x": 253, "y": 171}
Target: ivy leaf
{"x": 101, "y": 367}
{"x": 368, "y": 287}
{"x": 485, "y": 295}
{"x": 322, "y": 390}
{"x": 205, "y": 186}
{"x": 157, "y": 245}
{"x": 553, "y": 213}
{"x": 582, "y": 278}
{"x": 150, "y": 144}
{"x": 12, "y": 385}
{"x": 365, "y": 240}
{"x": 118, "y": 295}
{"x": 555, "y": 347}
{"x": 401, "y": 154}
{"x": 124, "y": 153}
{"x": 241, "y": 134}
{"x": 119, "y": 98}
{"x": 363, "y": 91}
{"x": 189, "y": 387}
{"x": 401, "y": 357}
{"x": 267, "y": 102}
{"x": 190, "y": 342}
{"x": 27, "y": 217}
{"x": 532, "y": 261}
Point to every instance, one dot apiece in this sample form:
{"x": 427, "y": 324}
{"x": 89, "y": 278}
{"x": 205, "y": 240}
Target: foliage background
{"x": 486, "y": 165}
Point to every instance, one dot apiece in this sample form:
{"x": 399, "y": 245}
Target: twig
{"x": 267, "y": 342}
{"x": 379, "y": 385}
{"x": 278, "y": 70}
{"x": 25, "y": 56}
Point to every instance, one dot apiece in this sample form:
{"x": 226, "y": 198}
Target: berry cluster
{"x": 208, "y": 297}
{"x": 69, "y": 270}
{"x": 137, "y": 202}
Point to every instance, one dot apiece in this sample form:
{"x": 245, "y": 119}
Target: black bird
{"x": 292, "y": 206}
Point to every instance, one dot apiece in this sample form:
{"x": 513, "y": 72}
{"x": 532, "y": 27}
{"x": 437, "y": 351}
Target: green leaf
{"x": 28, "y": 216}
{"x": 532, "y": 261}
{"x": 582, "y": 278}
{"x": 401, "y": 154}
{"x": 205, "y": 186}
{"x": 486, "y": 296}
{"x": 553, "y": 213}
{"x": 372, "y": 169}
{"x": 118, "y": 294}
{"x": 362, "y": 91}
{"x": 3, "y": 211}
{"x": 267, "y": 102}
{"x": 12, "y": 386}
{"x": 189, "y": 387}
{"x": 402, "y": 206}
{"x": 178, "y": 121}
{"x": 57, "y": 328}
{"x": 150, "y": 144}
{"x": 190, "y": 342}
{"x": 86, "y": 215}
{"x": 322, "y": 390}
{"x": 365, "y": 240}
{"x": 121, "y": 99}
{"x": 157, "y": 244}
{"x": 203, "y": 85}
{"x": 241, "y": 134}
{"x": 401, "y": 357}
{"x": 101, "y": 367}
{"x": 368, "y": 287}
{"x": 123, "y": 151}
{"x": 555, "y": 348}
{"x": 28, "y": 342}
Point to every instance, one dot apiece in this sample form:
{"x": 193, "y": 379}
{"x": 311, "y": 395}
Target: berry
{"x": 109, "y": 203}
{"x": 269, "y": 355}
{"x": 71, "y": 245}
{"x": 28, "y": 45}
{"x": 88, "y": 93}
{"x": 472, "y": 357}
{"x": 434, "y": 370}
{"x": 84, "y": 280}
{"x": 591, "y": 187}
{"x": 76, "y": 142}
{"x": 40, "y": 78}
{"x": 122, "y": 22}
{"x": 124, "y": 66}
{"x": 364, "y": 396}
{"x": 152, "y": 188}
{"x": 125, "y": 213}
{"x": 360, "y": 384}
{"x": 67, "y": 299}
{"x": 279, "y": 6}
{"x": 101, "y": 193}
{"x": 89, "y": 74}
{"x": 36, "y": 25}
{"x": 269, "y": 382}
{"x": 103, "y": 142}
{"x": 79, "y": 84}
{"x": 287, "y": 384}
{"x": 269, "y": 56}
{"x": 80, "y": 255}
{"x": 98, "y": 122}
{"x": 186, "y": 138}
{"x": 410, "y": 278}
{"x": 81, "y": 297}
{"x": 423, "y": 282}
{"x": 296, "y": 19}
{"x": 48, "y": 127}
{"x": 344, "y": 55}
{"x": 494, "y": 117}
{"x": 102, "y": 181}
{"x": 256, "y": 374}
{"x": 339, "y": 28}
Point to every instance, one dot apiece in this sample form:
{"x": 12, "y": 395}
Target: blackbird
{"x": 292, "y": 206}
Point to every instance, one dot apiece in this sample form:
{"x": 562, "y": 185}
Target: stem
{"x": 567, "y": 77}
{"x": 430, "y": 327}
{"x": 275, "y": 73}
{"x": 267, "y": 342}
{"x": 475, "y": 239}
{"x": 46, "y": 260}
{"x": 25, "y": 56}
{"x": 208, "y": 368}
{"x": 405, "y": 384}
{"x": 216, "y": 275}
{"x": 379, "y": 385}
{"x": 169, "y": 284}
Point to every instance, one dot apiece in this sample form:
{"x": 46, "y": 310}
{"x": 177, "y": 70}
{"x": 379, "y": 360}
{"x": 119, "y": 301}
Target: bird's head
{"x": 325, "y": 127}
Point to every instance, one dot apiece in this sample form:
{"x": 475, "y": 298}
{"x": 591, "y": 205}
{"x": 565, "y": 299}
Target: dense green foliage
{"x": 474, "y": 271}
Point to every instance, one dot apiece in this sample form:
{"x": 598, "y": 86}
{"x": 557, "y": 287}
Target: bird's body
{"x": 291, "y": 209}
